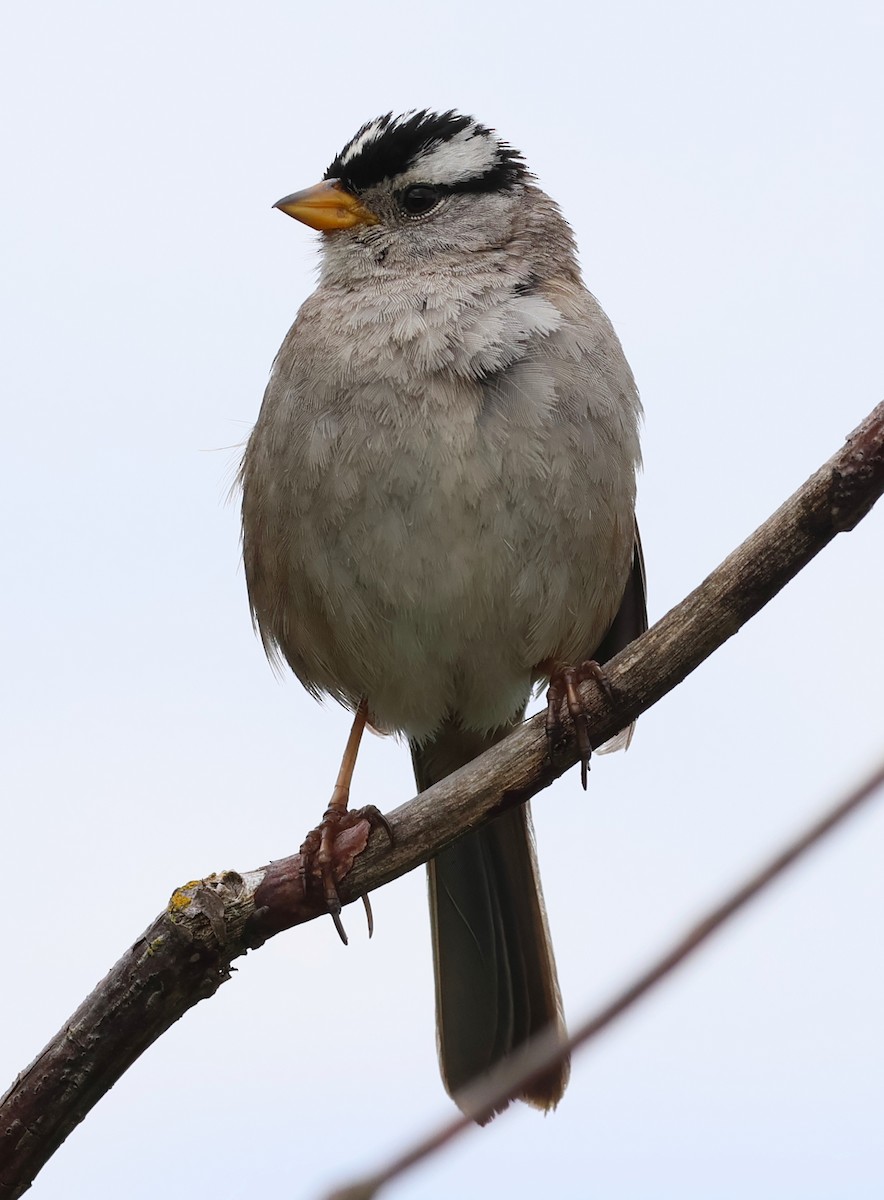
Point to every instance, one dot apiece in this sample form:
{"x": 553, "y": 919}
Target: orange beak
{"x": 326, "y": 206}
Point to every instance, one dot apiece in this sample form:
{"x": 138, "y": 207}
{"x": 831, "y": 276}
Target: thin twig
{"x": 187, "y": 952}
{"x": 542, "y": 1053}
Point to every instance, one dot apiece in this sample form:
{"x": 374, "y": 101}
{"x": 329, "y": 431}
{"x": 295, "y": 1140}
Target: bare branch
{"x": 186, "y": 953}
{"x": 533, "y": 1058}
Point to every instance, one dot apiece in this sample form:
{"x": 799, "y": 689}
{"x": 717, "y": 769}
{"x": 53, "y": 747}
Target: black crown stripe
{"x": 398, "y": 143}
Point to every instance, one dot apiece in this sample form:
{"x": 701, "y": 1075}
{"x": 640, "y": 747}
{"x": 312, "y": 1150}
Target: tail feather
{"x": 496, "y": 983}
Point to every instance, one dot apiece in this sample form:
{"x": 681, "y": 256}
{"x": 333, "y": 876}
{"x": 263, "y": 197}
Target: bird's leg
{"x": 563, "y": 684}
{"x": 320, "y": 844}
{"x": 340, "y": 798}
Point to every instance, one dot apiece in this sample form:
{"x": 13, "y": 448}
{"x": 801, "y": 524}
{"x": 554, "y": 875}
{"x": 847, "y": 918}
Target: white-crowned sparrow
{"x": 438, "y": 511}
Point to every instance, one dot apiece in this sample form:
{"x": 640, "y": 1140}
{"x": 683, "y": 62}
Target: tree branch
{"x": 185, "y": 955}
{"x": 545, "y": 1050}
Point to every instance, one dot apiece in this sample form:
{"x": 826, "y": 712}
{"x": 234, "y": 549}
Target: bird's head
{"x": 406, "y": 190}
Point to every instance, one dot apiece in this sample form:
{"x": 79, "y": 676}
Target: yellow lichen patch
{"x": 183, "y": 895}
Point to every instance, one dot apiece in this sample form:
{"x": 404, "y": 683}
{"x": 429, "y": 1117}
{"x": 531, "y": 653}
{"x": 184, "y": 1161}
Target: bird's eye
{"x": 419, "y": 199}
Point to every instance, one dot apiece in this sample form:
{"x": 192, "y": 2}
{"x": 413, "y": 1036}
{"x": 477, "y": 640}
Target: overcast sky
{"x": 722, "y": 168}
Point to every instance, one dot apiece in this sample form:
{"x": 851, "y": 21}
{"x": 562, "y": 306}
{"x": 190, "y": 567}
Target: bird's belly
{"x": 433, "y": 578}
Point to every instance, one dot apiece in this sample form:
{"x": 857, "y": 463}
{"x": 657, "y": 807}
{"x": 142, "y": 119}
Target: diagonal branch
{"x": 185, "y": 955}
{"x": 511, "y": 1076}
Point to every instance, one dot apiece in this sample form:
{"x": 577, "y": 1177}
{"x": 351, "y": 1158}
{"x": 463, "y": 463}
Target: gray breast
{"x": 439, "y": 498}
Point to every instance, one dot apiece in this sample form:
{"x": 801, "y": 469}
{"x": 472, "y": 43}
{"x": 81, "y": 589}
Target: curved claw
{"x": 563, "y": 685}
{"x": 379, "y": 821}
{"x": 339, "y": 925}
{"x": 319, "y": 858}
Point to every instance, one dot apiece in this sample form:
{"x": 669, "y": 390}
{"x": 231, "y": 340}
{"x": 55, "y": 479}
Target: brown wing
{"x": 631, "y": 620}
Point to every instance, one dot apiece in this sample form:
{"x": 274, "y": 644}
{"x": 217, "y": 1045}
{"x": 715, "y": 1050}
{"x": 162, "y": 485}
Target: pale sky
{"x": 723, "y": 170}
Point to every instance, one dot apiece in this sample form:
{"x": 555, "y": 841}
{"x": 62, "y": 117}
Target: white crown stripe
{"x": 465, "y": 156}
{"x": 370, "y": 134}
{"x": 373, "y": 132}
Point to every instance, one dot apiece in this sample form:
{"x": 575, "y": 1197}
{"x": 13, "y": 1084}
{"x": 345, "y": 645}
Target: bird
{"x": 438, "y": 516}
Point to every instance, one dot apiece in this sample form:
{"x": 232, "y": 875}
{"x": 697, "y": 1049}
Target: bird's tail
{"x": 496, "y": 983}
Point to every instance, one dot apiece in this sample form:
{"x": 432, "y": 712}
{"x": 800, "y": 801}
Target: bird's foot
{"x": 563, "y": 685}
{"x": 325, "y": 860}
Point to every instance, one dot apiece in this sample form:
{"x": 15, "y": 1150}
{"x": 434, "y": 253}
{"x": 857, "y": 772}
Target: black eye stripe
{"x": 497, "y": 179}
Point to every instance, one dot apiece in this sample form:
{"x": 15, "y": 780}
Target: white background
{"x": 722, "y": 167}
